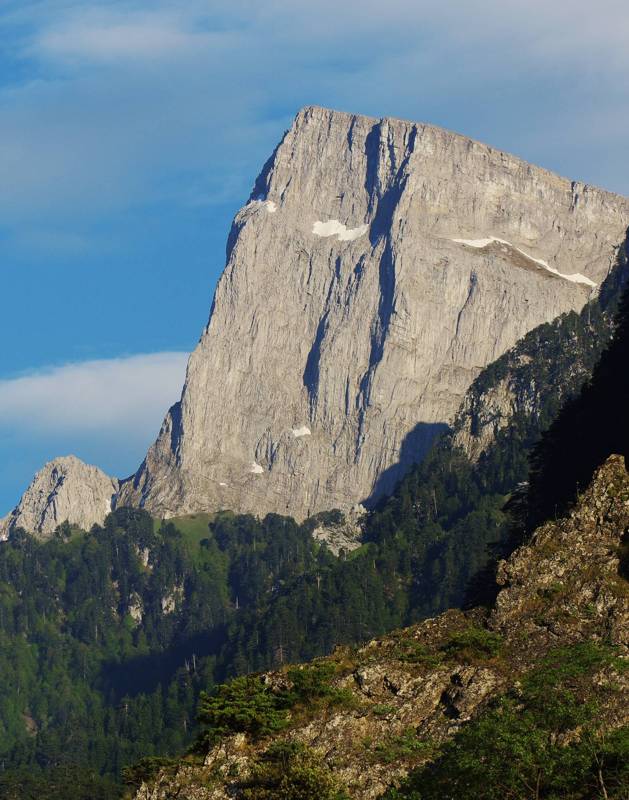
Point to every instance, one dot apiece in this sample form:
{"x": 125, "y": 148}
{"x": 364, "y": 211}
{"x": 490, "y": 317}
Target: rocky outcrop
{"x": 378, "y": 266}
{"x": 64, "y": 490}
{"x": 570, "y": 582}
{"x": 414, "y": 689}
{"x": 340, "y": 532}
{"x": 481, "y": 417}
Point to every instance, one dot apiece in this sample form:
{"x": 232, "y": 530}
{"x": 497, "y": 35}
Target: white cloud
{"x": 98, "y": 34}
{"x": 120, "y": 397}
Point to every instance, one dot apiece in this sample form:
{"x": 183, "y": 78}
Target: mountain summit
{"x": 378, "y": 266}
{"x": 64, "y": 490}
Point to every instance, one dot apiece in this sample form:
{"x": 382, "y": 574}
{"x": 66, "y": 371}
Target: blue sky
{"x": 131, "y": 132}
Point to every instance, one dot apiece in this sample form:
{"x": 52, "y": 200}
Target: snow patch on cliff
{"x": 256, "y": 469}
{"x": 303, "y": 431}
{"x": 575, "y": 277}
{"x": 335, "y": 228}
{"x": 478, "y": 242}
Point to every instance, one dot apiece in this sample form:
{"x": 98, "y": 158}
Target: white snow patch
{"x": 271, "y": 207}
{"x": 335, "y": 228}
{"x": 477, "y": 242}
{"x": 222, "y": 484}
{"x": 303, "y": 431}
{"x": 575, "y": 277}
{"x": 256, "y": 469}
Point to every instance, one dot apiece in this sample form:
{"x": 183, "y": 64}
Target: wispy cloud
{"x": 100, "y": 34}
{"x": 119, "y": 398}
{"x": 130, "y": 101}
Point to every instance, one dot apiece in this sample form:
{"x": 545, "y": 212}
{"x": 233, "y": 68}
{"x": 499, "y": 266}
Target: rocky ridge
{"x": 64, "y": 490}
{"x": 378, "y": 266}
{"x": 566, "y": 587}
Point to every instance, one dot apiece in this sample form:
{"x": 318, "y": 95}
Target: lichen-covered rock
{"x": 566, "y": 583}
{"x": 64, "y": 490}
{"x": 377, "y": 268}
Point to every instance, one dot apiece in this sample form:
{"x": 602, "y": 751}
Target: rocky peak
{"x": 378, "y": 266}
{"x": 64, "y": 490}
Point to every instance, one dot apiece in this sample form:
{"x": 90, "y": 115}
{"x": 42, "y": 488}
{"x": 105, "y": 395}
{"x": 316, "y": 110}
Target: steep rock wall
{"x": 377, "y": 268}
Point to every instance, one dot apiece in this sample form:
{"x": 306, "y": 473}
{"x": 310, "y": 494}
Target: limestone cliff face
{"x": 377, "y": 268}
{"x": 64, "y": 490}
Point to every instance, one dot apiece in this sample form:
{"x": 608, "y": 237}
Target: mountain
{"x": 378, "y": 266}
{"x": 113, "y": 633}
{"x": 473, "y": 705}
{"x": 445, "y": 521}
{"x": 64, "y": 490}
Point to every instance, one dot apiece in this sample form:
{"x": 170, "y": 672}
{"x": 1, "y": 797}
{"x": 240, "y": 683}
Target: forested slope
{"x": 526, "y": 699}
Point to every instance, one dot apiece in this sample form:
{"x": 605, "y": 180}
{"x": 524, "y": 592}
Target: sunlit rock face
{"x": 64, "y": 490}
{"x": 378, "y": 266}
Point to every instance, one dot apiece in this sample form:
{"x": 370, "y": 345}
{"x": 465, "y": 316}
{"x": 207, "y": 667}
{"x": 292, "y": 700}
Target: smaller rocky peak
{"x": 64, "y": 490}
